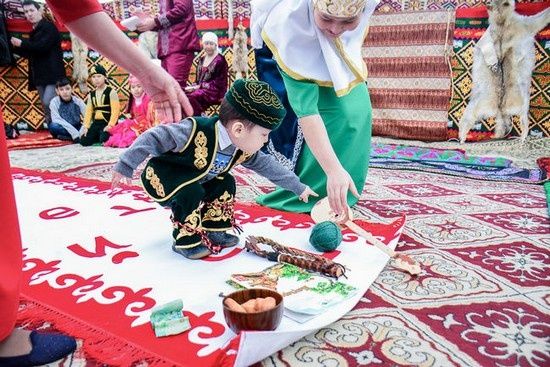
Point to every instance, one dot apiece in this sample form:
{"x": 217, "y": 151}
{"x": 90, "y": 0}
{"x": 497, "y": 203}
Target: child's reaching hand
{"x": 307, "y": 192}
{"x": 119, "y": 179}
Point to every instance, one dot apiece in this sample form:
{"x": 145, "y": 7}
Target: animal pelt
{"x": 240, "y": 52}
{"x": 80, "y": 63}
{"x": 147, "y": 42}
{"x": 504, "y": 59}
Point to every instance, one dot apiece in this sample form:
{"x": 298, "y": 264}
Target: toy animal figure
{"x": 504, "y": 59}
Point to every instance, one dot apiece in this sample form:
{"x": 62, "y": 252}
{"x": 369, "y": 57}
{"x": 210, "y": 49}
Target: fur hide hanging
{"x": 504, "y": 59}
{"x": 80, "y": 63}
{"x": 240, "y": 52}
{"x": 147, "y": 42}
{"x": 230, "y": 21}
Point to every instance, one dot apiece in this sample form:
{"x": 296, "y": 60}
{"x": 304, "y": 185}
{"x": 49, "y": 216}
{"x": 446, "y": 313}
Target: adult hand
{"x": 166, "y": 93}
{"x": 338, "y": 185}
{"x": 16, "y": 42}
{"x": 146, "y": 23}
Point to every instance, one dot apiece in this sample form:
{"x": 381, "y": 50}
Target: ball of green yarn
{"x": 325, "y": 236}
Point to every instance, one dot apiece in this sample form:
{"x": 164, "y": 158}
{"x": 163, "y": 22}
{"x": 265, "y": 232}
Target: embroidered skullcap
{"x": 210, "y": 37}
{"x": 98, "y": 69}
{"x": 257, "y": 102}
{"x": 341, "y": 8}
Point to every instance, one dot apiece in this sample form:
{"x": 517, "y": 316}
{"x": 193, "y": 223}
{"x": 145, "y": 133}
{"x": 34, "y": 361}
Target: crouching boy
{"x": 189, "y": 170}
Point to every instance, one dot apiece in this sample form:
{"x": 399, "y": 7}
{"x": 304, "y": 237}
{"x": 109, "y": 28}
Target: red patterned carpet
{"x": 36, "y": 139}
{"x": 482, "y": 298}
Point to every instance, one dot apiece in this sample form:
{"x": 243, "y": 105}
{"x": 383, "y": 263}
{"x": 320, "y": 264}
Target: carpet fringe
{"x": 97, "y": 343}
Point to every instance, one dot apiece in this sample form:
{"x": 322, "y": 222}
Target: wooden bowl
{"x": 262, "y": 320}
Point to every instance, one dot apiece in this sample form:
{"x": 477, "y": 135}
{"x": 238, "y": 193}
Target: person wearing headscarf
{"x": 315, "y": 45}
{"x": 212, "y": 74}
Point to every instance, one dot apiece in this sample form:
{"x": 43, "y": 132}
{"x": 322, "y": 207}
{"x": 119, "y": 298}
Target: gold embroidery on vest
{"x": 220, "y": 209}
{"x": 190, "y": 225}
{"x": 154, "y": 181}
{"x": 201, "y": 152}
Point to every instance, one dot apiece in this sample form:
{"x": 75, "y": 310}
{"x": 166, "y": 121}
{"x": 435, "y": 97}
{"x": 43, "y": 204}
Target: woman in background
{"x": 212, "y": 74}
{"x": 324, "y": 76}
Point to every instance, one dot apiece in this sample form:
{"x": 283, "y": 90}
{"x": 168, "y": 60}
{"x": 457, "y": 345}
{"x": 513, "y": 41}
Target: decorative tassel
{"x": 80, "y": 64}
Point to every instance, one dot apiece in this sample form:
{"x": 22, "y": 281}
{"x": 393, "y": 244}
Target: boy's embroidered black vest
{"x": 168, "y": 173}
{"x": 102, "y": 106}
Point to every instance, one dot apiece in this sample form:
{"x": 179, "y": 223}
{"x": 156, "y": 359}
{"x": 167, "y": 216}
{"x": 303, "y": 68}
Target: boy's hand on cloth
{"x": 119, "y": 180}
{"x": 307, "y": 193}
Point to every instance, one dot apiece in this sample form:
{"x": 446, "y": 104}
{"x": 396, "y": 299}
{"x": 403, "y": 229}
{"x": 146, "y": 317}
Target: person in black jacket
{"x": 43, "y": 49}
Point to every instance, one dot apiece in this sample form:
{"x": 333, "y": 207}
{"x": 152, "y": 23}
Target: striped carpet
{"x": 409, "y": 74}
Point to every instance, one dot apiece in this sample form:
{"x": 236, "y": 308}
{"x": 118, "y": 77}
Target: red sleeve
{"x": 69, "y": 10}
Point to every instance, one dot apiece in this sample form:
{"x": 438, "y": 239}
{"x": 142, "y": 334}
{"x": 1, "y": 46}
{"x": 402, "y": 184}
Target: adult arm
{"x": 44, "y": 39}
{"x": 218, "y": 79}
{"x": 162, "y": 88}
{"x": 303, "y": 97}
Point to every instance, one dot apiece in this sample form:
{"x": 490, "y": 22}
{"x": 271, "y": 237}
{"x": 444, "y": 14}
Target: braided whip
{"x": 303, "y": 259}
{"x": 214, "y": 249}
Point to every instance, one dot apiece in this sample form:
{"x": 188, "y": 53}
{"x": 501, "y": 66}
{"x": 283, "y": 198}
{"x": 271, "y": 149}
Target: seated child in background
{"x": 211, "y": 82}
{"x": 102, "y": 109}
{"x": 67, "y": 112}
{"x": 141, "y": 116}
{"x": 188, "y": 172}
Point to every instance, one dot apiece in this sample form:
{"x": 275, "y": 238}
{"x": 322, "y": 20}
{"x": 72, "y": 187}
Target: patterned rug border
{"x": 522, "y": 155}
